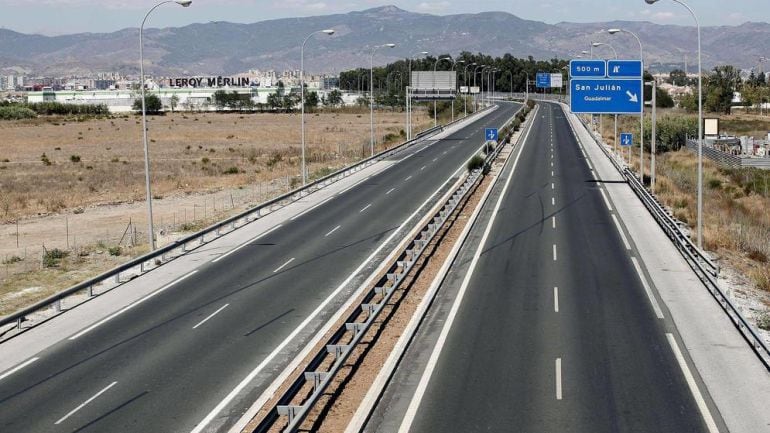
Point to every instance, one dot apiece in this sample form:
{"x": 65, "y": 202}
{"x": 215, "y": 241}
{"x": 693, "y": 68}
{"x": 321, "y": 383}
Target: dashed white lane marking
{"x": 704, "y": 410}
{"x": 94, "y": 397}
{"x": 263, "y": 234}
{"x": 390, "y": 191}
{"x": 553, "y": 201}
{"x": 210, "y": 316}
{"x": 408, "y": 178}
{"x": 118, "y": 313}
{"x": 647, "y": 290}
{"x": 606, "y": 200}
{"x": 434, "y": 159}
{"x": 553, "y": 221}
{"x": 551, "y": 163}
{"x": 556, "y": 299}
{"x": 284, "y": 265}
{"x": 332, "y": 231}
{"x": 365, "y": 208}
{"x": 554, "y": 252}
{"x": 622, "y": 234}
{"x": 18, "y": 367}
{"x": 553, "y": 185}
{"x": 422, "y": 168}
{"x": 551, "y": 173}
{"x": 558, "y": 379}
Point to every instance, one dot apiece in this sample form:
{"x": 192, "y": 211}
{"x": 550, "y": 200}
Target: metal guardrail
{"x": 164, "y": 254}
{"x": 702, "y": 265}
{"x": 727, "y": 160}
{"x": 370, "y": 309}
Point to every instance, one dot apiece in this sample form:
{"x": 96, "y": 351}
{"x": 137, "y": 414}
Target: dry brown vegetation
{"x": 736, "y": 202}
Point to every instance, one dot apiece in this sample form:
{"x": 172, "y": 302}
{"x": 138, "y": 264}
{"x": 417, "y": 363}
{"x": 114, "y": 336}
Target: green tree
{"x": 152, "y": 103}
{"x": 311, "y": 100}
{"x": 334, "y": 98}
{"x": 173, "y": 102}
{"x": 663, "y": 99}
{"x": 677, "y": 77}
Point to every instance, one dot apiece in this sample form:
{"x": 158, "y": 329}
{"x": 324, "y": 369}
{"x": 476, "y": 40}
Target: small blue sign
{"x": 588, "y": 68}
{"x": 543, "y": 80}
{"x": 603, "y": 96}
{"x": 624, "y": 69}
{"x": 626, "y": 139}
{"x": 491, "y": 134}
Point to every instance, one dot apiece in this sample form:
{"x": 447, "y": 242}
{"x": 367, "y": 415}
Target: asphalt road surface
{"x": 555, "y": 332}
{"x": 164, "y": 364}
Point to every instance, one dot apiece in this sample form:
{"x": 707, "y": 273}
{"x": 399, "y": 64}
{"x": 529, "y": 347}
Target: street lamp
{"x": 409, "y": 99}
{"x": 475, "y": 73}
{"x": 302, "y": 92}
{"x": 183, "y": 3}
{"x": 371, "y": 92}
{"x": 602, "y": 44}
{"x": 700, "y": 123}
{"x": 641, "y": 117}
{"x": 465, "y": 81}
{"x": 454, "y": 65}
{"x": 601, "y": 117}
{"x": 435, "y": 112}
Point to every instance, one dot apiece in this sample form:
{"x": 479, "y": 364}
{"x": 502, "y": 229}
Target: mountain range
{"x": 223, "y": 48}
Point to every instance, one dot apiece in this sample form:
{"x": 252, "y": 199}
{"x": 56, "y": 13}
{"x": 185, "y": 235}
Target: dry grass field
{"x": 78, "y": 185}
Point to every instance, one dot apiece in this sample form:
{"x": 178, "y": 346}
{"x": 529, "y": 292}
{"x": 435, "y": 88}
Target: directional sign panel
{"x": 626, "y": 139}
{"x": 624, "y": 69}
{"x": 587, "y": 69}
{"x": 557, "y": 81}
{"x": 491, "y": 134}
{"x": 597, "y": 96}
{"x": 543, "y": 80}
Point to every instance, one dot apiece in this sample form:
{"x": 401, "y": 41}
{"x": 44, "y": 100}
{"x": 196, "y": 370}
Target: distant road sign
{"x": 624, "y": 69}
{"x": 463, "y": 89}
{"x": 588, "y": 69}
{"x": 543, "y": 80}
{"x": 626, "y": 139}
{"x": 602, "y": 96}
{"x": 556, "y": 81}
{"x": 491, "y": 134}
{"x": 475, "y": 90}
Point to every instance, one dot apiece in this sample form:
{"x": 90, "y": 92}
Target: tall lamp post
{"x": 371, "y": 93}
{"x": 150, "y": 227}
{"x": 465, "y": 80}
{"x": 641, "y": 117}
{"x": 302, "y": 98}
{"x": 475, "y": 73}
{"x": 601, "y": 117}
{"x": 408, "y": 97}
{"x": 700, "y": 122}
{"x": 454, "y": 65}
{"x": 435, "y": 111}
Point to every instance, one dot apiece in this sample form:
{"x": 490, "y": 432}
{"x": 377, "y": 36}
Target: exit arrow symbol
{"x": 633, "y": 97}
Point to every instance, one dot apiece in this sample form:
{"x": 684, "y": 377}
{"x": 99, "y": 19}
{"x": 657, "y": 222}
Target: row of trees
{"x": 57, "y": 108}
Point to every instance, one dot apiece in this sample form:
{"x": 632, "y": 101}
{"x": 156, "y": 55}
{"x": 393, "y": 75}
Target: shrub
{"x": 44, "y": 159}
{"x": 475, "y": 163}
{"x": 115, "y": 251}
{"x": 75, "y": 158}
{"x": 13, "y": 112}
{"x": 52, "y": 258}
{"x": 763, "y": 321}
{"x": 231, "y": 170}
{"x": 11, "y": 260}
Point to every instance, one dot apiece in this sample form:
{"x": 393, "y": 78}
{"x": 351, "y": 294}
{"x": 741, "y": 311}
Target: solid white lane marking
{"x": 390, "y": 191}
{"x": 332, "y": 231}
{"x": 422, "y": 386}
{"x": 94, "y": 397}
{"x": 622, "y": 234}
{"x": 284, "y": 265}
{"x": 699, "y": 400}
{"x": 653, "y": 301}
{"x": 558, "y": 379}
{"x": 553, "y": 220}
{"x": 554, "y": 252}
{"x": 119, "y": 312}
{"x": 18, "y": 367}
{"x": 263, "y": 234}
{"x": 556, "y": 299}
{"x": 408, "y": 178}
{"x": 606, "y": 200}
{"x": 365, "y": 208}
{"x": 210, "y": 316}
{"x": 310, "y": 209}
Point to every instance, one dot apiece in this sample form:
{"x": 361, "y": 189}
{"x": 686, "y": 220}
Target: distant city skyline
{"x": 56, "y": 17}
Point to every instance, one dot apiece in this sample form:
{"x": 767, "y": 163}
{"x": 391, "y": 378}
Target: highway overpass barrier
{"x": 706, "y": 270}
{"x": 292, "y": 407}
{"x": 14, "y": 324}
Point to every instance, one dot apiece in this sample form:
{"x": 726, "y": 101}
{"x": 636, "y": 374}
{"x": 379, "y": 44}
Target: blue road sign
{"x": 543, "y": 80}
{"x": 624, "y": 69}
{"x": 626, "y": 139}
{"x": 602, "y": 96}
{"x": 491, "y": 134}
{"x": 587, "y": 69}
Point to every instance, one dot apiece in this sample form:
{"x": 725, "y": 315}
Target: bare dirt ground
{"x": 88, "y": 198}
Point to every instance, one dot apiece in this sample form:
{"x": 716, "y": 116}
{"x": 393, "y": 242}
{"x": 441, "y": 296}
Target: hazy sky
{"x": 52, "y": 17}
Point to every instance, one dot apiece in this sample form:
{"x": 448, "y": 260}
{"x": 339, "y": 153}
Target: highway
{"x": 167, "y": 362}
{"x": 553, "y": 330}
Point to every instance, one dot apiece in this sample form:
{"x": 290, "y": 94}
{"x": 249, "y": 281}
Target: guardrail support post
{"x": 90, "y": 291}
{"x": 18, "y": 322}
{"x": 117, "y": 278}
{"x": 57, "y": 306}
{"x": 290, "y": 411}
